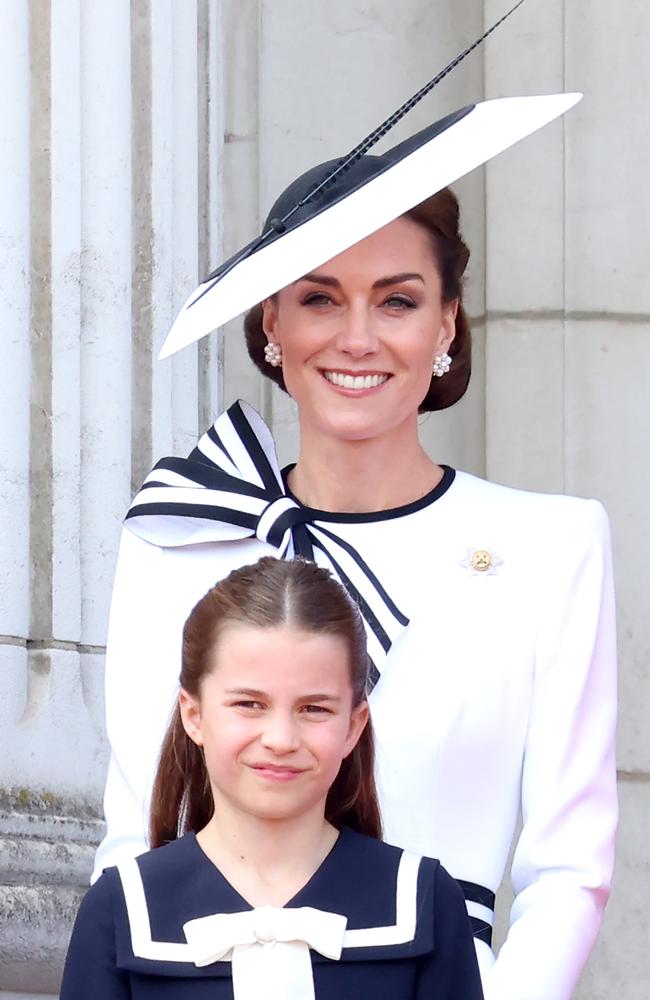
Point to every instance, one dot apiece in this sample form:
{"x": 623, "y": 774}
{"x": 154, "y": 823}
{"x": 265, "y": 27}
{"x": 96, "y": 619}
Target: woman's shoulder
{"x": 471, "y": 487}
{"x": 480, "y": 500}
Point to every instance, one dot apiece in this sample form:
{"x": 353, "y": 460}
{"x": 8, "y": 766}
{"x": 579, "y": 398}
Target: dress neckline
{"x": 364, "y": 517}
{"x": 295, "y": 900}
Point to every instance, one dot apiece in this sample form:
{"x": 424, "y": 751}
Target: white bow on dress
{"x": 268, "y": 947}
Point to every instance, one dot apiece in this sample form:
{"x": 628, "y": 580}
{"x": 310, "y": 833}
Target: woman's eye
{"x": 399, "y": 302}
{"x": 317, "y": 299}
{"x": 316, "y": 710}
{"x": 248, "y": 705}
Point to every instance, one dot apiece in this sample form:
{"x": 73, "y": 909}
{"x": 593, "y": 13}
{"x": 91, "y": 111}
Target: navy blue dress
{"x": 408, "y": 936}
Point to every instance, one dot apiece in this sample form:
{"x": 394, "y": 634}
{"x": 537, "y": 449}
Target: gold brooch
{"x": 481, "y": 562}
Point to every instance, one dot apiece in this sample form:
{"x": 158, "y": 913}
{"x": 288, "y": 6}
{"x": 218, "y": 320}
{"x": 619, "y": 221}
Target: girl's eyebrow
{"x": 252, "y": 693}
{"x": 320, "y": 697}
{"x": 391, "y": 279}
{"x": 248, "y": 692}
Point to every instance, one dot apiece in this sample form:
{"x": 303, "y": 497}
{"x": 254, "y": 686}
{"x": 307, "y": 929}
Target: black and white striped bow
{"x": 231, "y": 487}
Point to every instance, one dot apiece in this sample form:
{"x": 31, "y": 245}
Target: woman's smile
{"x": 355, "y": 383}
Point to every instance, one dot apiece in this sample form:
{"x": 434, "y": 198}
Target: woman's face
{"x": 359, "y": 334}
{"x": 275, "y": 720}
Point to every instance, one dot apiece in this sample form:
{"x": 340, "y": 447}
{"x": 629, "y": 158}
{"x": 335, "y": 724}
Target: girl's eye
{"x": 248, "y": 705}
{"x": 400, "y": 302}
{"x": 316, "y": 710}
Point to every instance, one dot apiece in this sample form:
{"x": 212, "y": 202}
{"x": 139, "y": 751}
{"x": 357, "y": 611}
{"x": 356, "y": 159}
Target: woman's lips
{"x": 355, "y": 382}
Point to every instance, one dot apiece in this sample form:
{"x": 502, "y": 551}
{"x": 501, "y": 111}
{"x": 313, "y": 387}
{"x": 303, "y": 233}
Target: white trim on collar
{"x": 138, "y": 912}
{"x": 401, "y": 932}
{"x": 406, "y": 911}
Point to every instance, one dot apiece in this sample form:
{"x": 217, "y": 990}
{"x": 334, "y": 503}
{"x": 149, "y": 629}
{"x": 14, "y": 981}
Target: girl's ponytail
{"x": 181, "y": 799}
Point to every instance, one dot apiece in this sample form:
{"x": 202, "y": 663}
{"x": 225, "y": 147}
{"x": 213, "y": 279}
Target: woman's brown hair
{"x": 273, "y": 592}
{"x": 439, "y": 215}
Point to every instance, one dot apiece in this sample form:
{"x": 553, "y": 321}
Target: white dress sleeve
{"x": 563, "y": 861}
{"x": 142, "y": 669}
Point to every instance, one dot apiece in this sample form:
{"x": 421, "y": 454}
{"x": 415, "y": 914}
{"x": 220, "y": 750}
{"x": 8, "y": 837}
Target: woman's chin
{"x": 355, "y": 420}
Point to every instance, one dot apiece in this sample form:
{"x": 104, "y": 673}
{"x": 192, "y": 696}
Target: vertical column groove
{"x": 41, "y": 466}
{"x": 205, "y": 56}
{"x": 142, "y": 242}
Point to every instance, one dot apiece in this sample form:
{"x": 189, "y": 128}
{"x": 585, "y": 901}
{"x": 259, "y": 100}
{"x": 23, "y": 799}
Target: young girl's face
{"x": 275, "y": 719}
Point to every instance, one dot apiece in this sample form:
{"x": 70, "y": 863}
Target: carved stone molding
{"x": 47, "y": 846}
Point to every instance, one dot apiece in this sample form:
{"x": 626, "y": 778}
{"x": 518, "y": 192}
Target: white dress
{"x": 498, "y": 698}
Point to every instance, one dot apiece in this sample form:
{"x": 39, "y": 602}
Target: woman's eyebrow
{"x": 397, "y": 279}
{"x": 391, "y": 279}
{"x": 319, "y": 279}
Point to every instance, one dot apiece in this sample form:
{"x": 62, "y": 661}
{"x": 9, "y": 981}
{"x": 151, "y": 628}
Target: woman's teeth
{"x": 355, "y": 381}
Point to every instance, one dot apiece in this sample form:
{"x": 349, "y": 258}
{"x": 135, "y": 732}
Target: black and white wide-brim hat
{"x": 336, "y": 204}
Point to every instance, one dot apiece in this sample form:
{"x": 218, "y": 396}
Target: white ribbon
{"x": 268, "y": 947}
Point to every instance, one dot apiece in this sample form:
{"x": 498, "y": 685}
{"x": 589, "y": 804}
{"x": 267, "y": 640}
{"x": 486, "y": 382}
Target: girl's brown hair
{"x": 273, "y": 592}
{"x": 439, "y": 215}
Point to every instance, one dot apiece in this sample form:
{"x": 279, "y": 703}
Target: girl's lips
{"x": 275, "y": 772}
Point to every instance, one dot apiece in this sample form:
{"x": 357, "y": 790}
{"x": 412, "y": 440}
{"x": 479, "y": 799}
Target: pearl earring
{"x": 441, "y": 365}
{"x": 273, "y": 354}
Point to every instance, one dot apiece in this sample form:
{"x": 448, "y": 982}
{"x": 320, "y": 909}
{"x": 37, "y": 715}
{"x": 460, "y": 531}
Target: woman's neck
{"x": 266, "y": 861}
{"x": 362, "y": 476}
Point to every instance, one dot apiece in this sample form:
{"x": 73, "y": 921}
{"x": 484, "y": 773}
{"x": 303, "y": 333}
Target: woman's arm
{"x": 564, "y": 857}
{"x": 142, "y": 668}
{"x": 90, "y": 969}
{"x": 450, "y": 971}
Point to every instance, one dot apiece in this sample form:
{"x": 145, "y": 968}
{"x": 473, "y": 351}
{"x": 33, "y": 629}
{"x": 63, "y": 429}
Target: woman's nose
{"x": 280, "y": 733}
{"x": 357, "y": 335}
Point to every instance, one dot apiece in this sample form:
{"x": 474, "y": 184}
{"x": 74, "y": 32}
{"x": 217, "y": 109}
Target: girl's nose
{"x": 280, "y": 733}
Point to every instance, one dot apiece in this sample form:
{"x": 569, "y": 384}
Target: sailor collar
{"x": 384, "y": 895}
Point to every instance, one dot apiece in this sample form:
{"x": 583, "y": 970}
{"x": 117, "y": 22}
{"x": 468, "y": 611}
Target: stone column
{"x": 109, "y": 153}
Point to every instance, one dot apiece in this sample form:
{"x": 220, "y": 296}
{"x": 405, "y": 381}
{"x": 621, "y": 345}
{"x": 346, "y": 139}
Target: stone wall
{"x": 110, "y": 161}
{"x": 128, "y": 130}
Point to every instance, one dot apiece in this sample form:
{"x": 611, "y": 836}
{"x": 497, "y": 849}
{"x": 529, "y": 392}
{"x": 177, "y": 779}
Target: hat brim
{"x": 484, "y": 131}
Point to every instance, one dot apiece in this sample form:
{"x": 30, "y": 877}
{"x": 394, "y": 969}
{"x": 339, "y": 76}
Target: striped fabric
{"x": 230, "y": 487}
